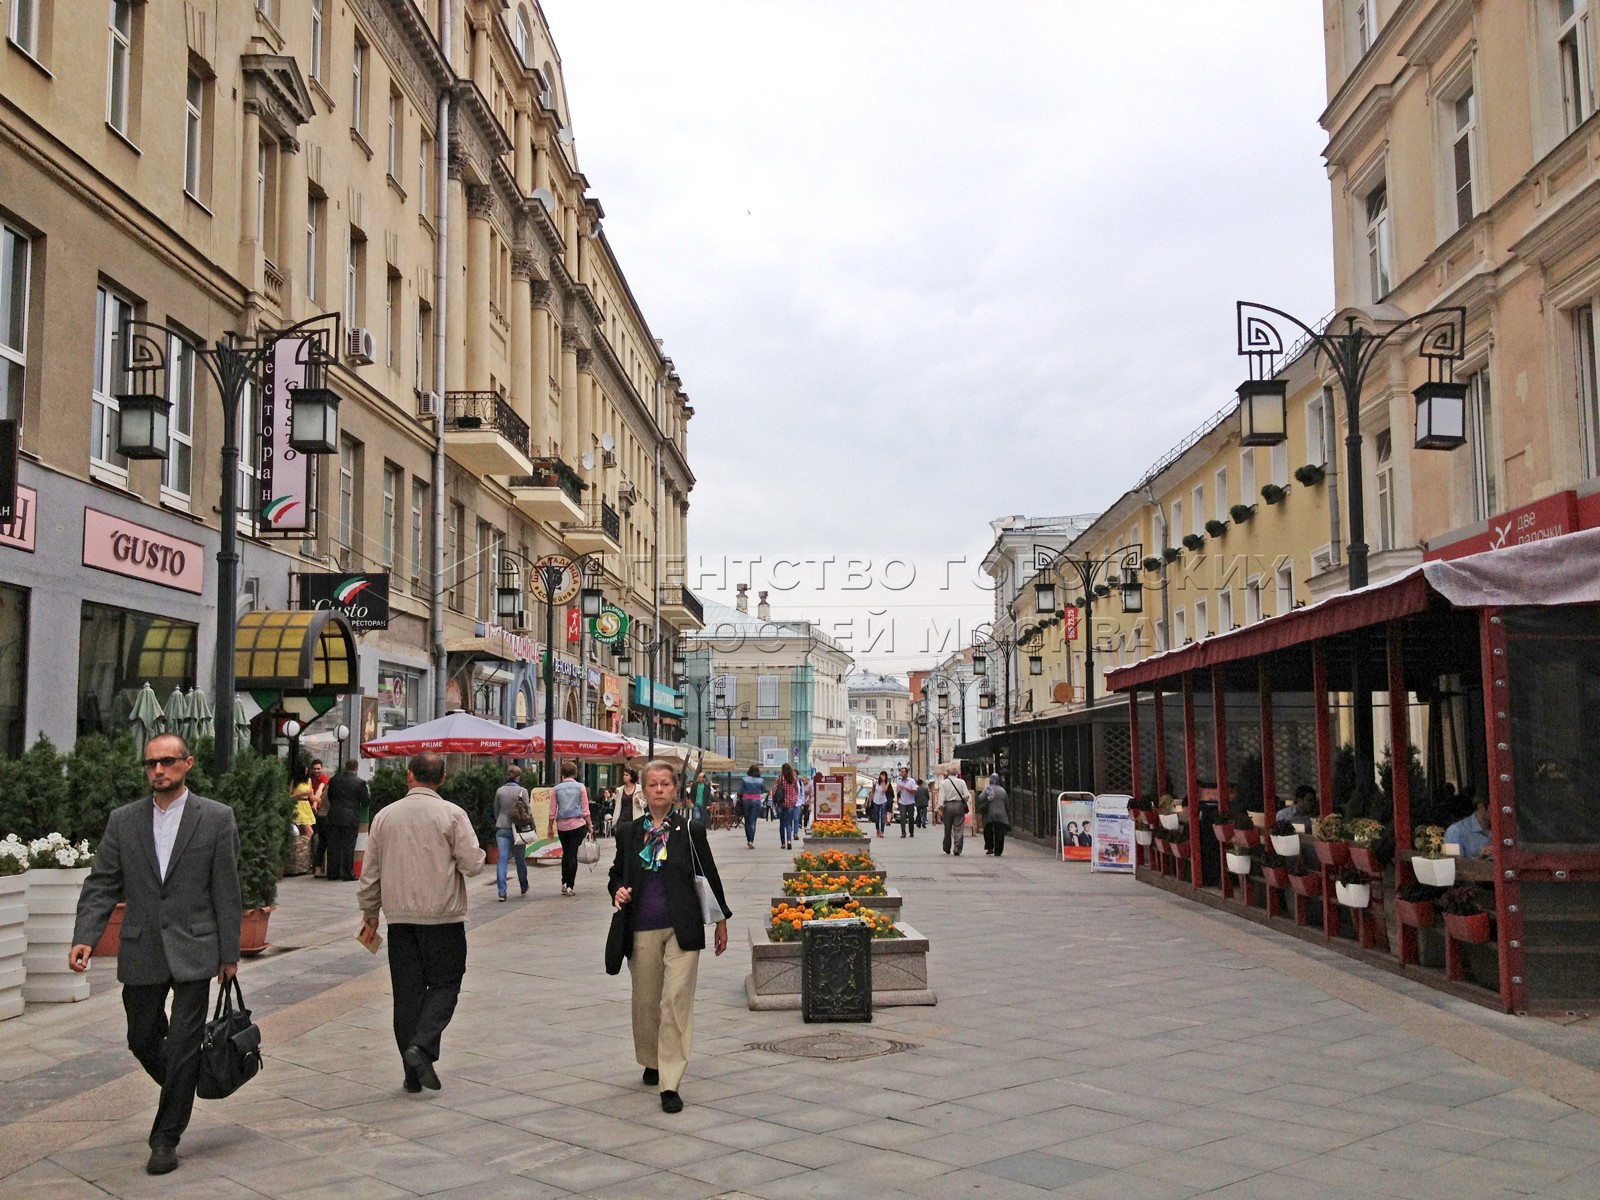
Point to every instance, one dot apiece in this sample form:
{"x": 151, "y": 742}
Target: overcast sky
{"x": 923, "y": 263}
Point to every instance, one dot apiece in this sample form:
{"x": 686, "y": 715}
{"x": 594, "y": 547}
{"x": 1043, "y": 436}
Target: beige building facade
{"x": 234, "y": 169}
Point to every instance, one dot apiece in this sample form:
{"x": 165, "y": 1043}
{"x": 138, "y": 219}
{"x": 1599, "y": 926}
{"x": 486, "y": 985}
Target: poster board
{"x": 1112, "y": 839}
{"x": 1074, "y": 820}
{"x": 829, "y": 804}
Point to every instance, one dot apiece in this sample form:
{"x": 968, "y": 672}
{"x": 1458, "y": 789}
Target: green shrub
{"x": 102, "y": 774}
{"x": 473, "y": 789}
{"x": 388, "y": 784}
{"x": 33, "y": 792}
{"x": 257, "y": 789}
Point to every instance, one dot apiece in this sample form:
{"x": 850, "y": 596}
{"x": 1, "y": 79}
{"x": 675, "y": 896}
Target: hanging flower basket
{"x": 1474, "y": 929}
{"x": 1311, "y": 474}
{"x": 1244, "y": 835}
{"x": 1333, "y": 854}
{"x": 1144, "y": 837}
{"x": 1239, "y": 864}
{"x": 1277, "y": 877}
{"x": 1418, "y": 914}
{"x": 1353, "y": 895}
{"x": 1223, "y": 832}
{"x": 1287, "y": 845}
{"x": 1193, "y": 541}
{"x": 1171, "y": 820}
{"x": 1242, "y": 513}
{"x": 1216, "y": 528}
{"x": 1171, "y": 554}
{"x": 1152, "y": 564}
{"x": 1365, "y": 858}
{"x": 1306, "y": 885}
{"x": 1272, "y": 493}
{"x": 1435, "y": 872}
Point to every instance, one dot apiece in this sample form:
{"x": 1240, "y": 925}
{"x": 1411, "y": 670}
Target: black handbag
{"x": 230, "y": 1047}
{"x": 617, "y": 943}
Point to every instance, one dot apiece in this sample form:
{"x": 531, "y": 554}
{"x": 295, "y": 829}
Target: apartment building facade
{"x": 410, "y": 168}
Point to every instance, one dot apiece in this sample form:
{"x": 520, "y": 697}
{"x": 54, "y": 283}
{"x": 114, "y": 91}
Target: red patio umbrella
{"x": 455, "y": 733}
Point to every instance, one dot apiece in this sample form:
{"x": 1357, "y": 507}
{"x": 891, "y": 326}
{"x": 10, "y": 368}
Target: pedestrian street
{"x": 1092, "y": 1038}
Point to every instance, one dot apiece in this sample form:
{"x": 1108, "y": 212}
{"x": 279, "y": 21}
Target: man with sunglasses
{"x": 174, "y": 858}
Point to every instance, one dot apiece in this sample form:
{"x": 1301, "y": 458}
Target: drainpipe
{"x": 441, "y": 293}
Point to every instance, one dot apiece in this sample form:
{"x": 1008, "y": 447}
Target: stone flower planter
{"x": 881, "y": 876}
{"x": 890, "y": 905}
{"x": 899, "y": 972}
{"x": 13, "y": 941}
{"x": 52, "y": 910}
{"x": 849, "y": 845}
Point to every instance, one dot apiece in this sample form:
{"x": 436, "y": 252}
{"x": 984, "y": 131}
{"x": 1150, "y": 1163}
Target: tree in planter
{"x": 1193, "y": 541}
{"x": 1273, "y": 493}
{"x": 1171, "y": 554}
{"x": 1310, "y": 474}
{"x": 33, "y": 791}
{"x": 1216, "y": 528}
{"x": 1242, "y": 513}
{"x": 388, "y": 784}
{"x": 102, "y": 774}
{"x": 257, "y": 789}
{"x": 473, "y": 789}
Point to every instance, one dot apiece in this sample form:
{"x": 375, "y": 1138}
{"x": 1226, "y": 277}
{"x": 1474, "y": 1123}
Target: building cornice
{"x": 1436, "y": 31}
{"x": 1369, "y": 117}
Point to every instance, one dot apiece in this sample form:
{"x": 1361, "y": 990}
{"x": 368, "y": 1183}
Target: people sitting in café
{"x": 1471, "y": 833}
{"x": 1304, "y": 807}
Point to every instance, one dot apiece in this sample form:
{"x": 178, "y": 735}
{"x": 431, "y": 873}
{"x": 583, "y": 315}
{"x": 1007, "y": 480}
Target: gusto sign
{"x": 124, "y": 548}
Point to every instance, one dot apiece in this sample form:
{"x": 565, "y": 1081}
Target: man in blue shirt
{"x": 1304, "y": 807}
{"x": 1472, "y": 833}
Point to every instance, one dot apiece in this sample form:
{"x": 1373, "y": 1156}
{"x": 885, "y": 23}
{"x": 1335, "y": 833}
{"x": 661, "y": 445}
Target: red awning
{"x": 1563, "y": 570}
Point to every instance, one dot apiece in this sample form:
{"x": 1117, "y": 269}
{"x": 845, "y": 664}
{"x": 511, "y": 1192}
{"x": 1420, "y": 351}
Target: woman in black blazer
{"x": 652, "y": 882}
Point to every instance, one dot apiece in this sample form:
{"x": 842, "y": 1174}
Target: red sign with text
{"x": 1549, "y": 517}
{"x": 1069, "y": 623}
{"x": 574, "y": 626}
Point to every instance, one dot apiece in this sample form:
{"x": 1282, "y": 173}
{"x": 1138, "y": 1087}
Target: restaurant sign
{"x": 363, "y": 600}
{"x": 19, "y": 531}
{"x": 283, "y": 477}
{"x": 139, "y": 552}
{"x": 1545, "y": 518}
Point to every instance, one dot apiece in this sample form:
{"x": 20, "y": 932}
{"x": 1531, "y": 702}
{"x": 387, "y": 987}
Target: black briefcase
{"x": 230, "y": 1048}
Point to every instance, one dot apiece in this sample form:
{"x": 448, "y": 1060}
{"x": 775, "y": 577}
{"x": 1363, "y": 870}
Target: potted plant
{"x": 1304, "y": 879}
{"x": 1370, "y": 846}
{"x": 1275, "y": 869}
{"x": 1171, "y": 554}
{"x": 1430, "y": 864}
{"x": 1414, "y": 905}
{"x": 1465, "y": 918}
{"x": 1351, "y": 888}
{"x": 1193, "y": 541}
{"x": 1239, "y": 863}
{"x": 13, "y": 923}
{"x": 56, "y": 871}
{"x": 1242, "y": 513}
{"x": 1328, "y": 834}
{"x": 257, "y": 789}
{"x": 1310, "y": 474}
{"x": 1170, "y": 812}
{"x": 1285, "y": 840}
{"x": 1152, "y": 564}
{"x": 1273, "y": 493}
{"x": 1144, "y": 836}
{"x": 1222, "y": 829}
{"x": 1216, "y": 528}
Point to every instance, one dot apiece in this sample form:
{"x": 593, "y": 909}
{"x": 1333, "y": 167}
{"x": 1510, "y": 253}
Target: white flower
{"x": 58, "y": 840}
{"x": 67, "y": 857}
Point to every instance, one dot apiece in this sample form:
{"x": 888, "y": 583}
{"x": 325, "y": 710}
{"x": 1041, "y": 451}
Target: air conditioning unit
{"x": 427, "y": 403}
{"x": 360, "y": 347}
{"x": 608, "y": 458}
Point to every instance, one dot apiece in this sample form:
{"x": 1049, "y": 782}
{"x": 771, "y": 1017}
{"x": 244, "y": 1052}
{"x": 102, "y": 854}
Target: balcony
{"x": 484, "y": 436}
{"x": 598, "y": 531}
{"x": 552, "y": 493}
{"x": 681, "y": 609}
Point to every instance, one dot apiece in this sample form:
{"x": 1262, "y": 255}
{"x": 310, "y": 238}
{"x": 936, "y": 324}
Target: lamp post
{"x": 725, "y": 711}
{"x": 623, "y": 650}
{"x": 342, "y": 732}
{"x": 962, "y": 684}
{"x": 1441, "y": 402}
{"x": 1098, "y": 578}
{"x": 233, "y": 364}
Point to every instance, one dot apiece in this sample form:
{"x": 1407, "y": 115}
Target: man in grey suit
{"x": 174, "y": 858}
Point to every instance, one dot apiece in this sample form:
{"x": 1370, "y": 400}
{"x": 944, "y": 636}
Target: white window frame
{"x": 1177, "y": 521}
{"x": 358, "y": 86}
{"x": 1180, "y": 626}
{"x": 393, "y": 481}
{"x": 1247, "y": 475}
{"x": 420, "y": 512}
{"x": 768, "y": 697}
{"x": 344, "y": 528}
{"x": 1317, "y": 428}
{"x": 14, "y": 311}
{"x": 391, "y": 315}
{"x": 318, "y": 33}
{"x": 1197, "y": 515}
{"x": 424, "y": 150}
{"x": 1481, "y": 445}
{"x": 112, "y": 310}
{"x": 23, "y": 27}
{"x": 354, "y": 253}
{"x": 194, "y": 131}
{"x": 1161, "y": 635}
{"x": 1202, "y": 620}
{"x": 1220, "y": 485}
{"x": 1285, "y": 585}
{"x": 1462, "y": 153}
{"x": 177, "y": 486}
{"x": 315, "y": 215}
{"x": 1224, "y": 610}
{"x": 1378, "y": 223}
{"x": 1367, "y": 27}
{"x": 1252, "y": 600}
{"x": 249, "y": 428}
{"x": 1586, "y": 384}
{"x": 395, "y": 134}
{"x": 1574, "y": 65}
{"x": 1278, "y": 461}
{"x": 1383, "y": 470}
{"x": 119, "y": 58}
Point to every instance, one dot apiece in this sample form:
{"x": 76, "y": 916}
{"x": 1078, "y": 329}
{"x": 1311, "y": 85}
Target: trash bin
{"x": 835, "y": 971}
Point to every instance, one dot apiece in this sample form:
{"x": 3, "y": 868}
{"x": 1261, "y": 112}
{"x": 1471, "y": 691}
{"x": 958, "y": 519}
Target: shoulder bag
{"x": 710, "y": 906}
{"x": 523, "y": 830}
{"x": 230, "y": 1046}
{"x": 589, "y": 851}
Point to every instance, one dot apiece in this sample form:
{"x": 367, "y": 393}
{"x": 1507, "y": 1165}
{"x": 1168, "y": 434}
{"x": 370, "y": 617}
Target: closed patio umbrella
{"x": 177, "y": 714}
{"x": 145, "y": 719}
{"x": 241, "y": 723}
{"x": 202, "y": 718}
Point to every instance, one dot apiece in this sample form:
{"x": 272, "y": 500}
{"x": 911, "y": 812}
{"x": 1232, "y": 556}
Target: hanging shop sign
{"x": 570, "y": 671}
{"x": 574, "y": 627}
{"x": 557, "y": 570}
{"x": 648, "y": 694}
{"x": 610, "y": 690}
{"x": 124, "y": 548}
{"x": 18, "y": 531}
{"x": 611, "y": 626}
{"x": 363, "y": 600}
{"x": 284, "y": 474}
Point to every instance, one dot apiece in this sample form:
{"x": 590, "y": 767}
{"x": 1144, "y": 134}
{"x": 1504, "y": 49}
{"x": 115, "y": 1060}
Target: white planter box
{"x": 1170, "y": 820}
{"x": 1286, "y": 844}
{"x": 1353, "y": 895}
{"x": 1435, "y": 872}
{"x": 52, "y": 911}
{"x": 13, "y": 941}
{"x": 1238, "y": 864}
{"x": 1144, "y": 836}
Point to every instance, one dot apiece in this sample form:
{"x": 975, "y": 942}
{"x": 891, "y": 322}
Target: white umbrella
{"x": 177, "y": 714}
{"x": 241, "y": 723}
{"x": 145, "y": 720}
{"x": 202, "y": 718}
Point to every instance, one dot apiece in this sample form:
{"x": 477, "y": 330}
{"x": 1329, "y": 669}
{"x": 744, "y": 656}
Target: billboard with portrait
{"x": 1075, "y": 825}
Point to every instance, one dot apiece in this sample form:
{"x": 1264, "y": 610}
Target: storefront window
{"x": 399, "y": 697}
{"x": 13, "y": 668}
{"x": 1554, "y": 668}
{"x": 119, "y": 651}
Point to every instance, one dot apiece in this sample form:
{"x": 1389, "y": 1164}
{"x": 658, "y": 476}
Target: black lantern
{"x": 314, "y": 421}
{"x": 1035, "y": 664}
{"x": 1441, "y": 416}
{"x": 980, "y": 665}
{"x": 1263, "y": 412}
{"x": 1045, "y": 593}
{"x": 508, "y": 603}
{"x": 591, "y": 602}
{"x": 1132, "y": 592}
{"x": 944, "y": 699}
{"x": 142, "y": 429}
{"x": 985, "y": 699}
{"x": 680, "y": 668}
{"x": 624, "y": 662}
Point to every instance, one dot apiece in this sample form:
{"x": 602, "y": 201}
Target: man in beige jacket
{"x": 420, "y": 850}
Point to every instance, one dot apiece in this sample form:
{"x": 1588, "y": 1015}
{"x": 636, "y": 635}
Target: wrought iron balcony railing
{"x": 610, "y": 522}
{"x": 685, "y": 599}
{"x": 552, "y": 472}
{"x": 466, "y": 411}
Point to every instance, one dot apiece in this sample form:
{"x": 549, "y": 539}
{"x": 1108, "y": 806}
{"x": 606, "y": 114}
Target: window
{"x": 119, "y": 651}
{"x": 1202, "y": 620}
{"x": 1366, "y": 24}
{"x": 1480, "y": 438}
{"x": 267, "y": 198}
{"x": 421, "y": 537}
{"x": 394, "y": 135}
{"x": 24, "y": 27}
{"x": 1225, "y": 610}
{"x": 1177, "y": 519}
{"x": 1317, "y": 409}
{"x": 1252, "y": 601}
{"x": 487, "y": 552}
{"x": 112, "y": 312}
{"x": 391, "y": 316}
{"x": 1380, "y": 248}
{"x": 767, "y": 697}
{"x": 393, "y": 482}
{"x": 1161, "y": 635}
{"x": 358, "y": 93}
{"x": 314, "y": 215}
{"x": 522, "y": 37}
{"x": 1463, "y": 138}
{"x": 1285, "y": 588}
{"x": 193, "y": 132}
{"x": 249, "y": 431}
{"x": 1221, "y": 498}
{"x": 14, "y": 257}
{"x": 1588, "y": 381}
{"x": 423, "y": 352}
{"x": 1278, "y": 461}
{"x": 355, "y": 271}
{"x": 1197, "y": 506}
{"x": 345, "y": 532}
{"x": 1180, "y": 626}
{"x": 268, "y": 9}
{"x": 1247, "y": 475}
{"x": 1386, "y": 498}
{"x": 177, "y": 473}
{"x": 318, "y": 30}
{"x": 424, "y": 153}
{"x": 453, "y": 563}
{"x": 119, "y": 72}
{"x": 1572, "y": 53}
{"x": 872, "y": 706}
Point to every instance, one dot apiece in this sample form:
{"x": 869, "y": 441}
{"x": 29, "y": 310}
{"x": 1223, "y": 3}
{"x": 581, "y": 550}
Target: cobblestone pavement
{"x": 1093, "y": 1037}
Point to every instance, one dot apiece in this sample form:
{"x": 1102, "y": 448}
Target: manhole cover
{"x": 834, "y": 1047}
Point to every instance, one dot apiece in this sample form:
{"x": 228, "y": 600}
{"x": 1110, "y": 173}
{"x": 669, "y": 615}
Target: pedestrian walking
{"x": 510, "y": 808}
{"x": 786, "y": 801}
{"x": 752, "y": 796}
{"x": 882, "y": 796}
{"x": 700, "y": 798}
{"x": 346, "y": 797}
{"x": 420, "y": 852}
{"x": 319, "y": 780}
{"x": 173, "y": 857}
{"x": 924, "y": 799}
{"x": 953, "y": 801}
{"x": 996, "y": 816}
{"x": 653, "y": 883}
{"x": 569, "y": 817}
{"x": 905, "y": 799}
{"x": 629, "y": 802}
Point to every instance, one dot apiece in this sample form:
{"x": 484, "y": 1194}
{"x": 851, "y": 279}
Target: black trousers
{"x": 168, "y": 1050}
{"x": 988, "y": 838}
{"x": 571, "y": 839}
{"x": 426, "y": 965}
{"x": 998, "y": 836}
{"x": 908, "y": 819}
{"x": 341, "y": 843}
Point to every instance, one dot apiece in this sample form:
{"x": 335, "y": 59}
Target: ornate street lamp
{"x": 1045, "y": 596}
{"x": 314, "y": 421}
{"x": 142, "y": 426}
{"x": 1263, "y": 412}
{"x": 1441, "y": 416}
